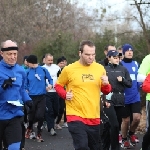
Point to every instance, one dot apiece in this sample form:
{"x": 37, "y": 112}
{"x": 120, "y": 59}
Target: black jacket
{"x": 114, "y": 71}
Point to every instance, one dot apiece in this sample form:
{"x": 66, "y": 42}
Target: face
{"x": 114, "y": 60}
{"x": 65, "y": 62}
{"x": 49, "y": 60}
{"x": 109, "y": 48}
{"x": 25, "y": 62}
{"x": 88, "y": 55}
{"x": 119, "y": 50}
{"x": 30, "y": 65}
{"x": 10, "y": 57}
{"x": 43, "y": 61}
{"x": 128, "y": 54}
{"x": 61, "y": 64}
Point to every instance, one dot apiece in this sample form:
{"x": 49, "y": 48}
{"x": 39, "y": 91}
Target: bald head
{"x": 8, "y": 43}
{"x": 9, "y": 52}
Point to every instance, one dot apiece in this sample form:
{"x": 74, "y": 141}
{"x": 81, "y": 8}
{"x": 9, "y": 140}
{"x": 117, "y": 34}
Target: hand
{"x": 119, "y": 79}
{"x": 29, "y": 103}
{"x": 49, "y": 87}
{"x": 69, "y": 95}
{"x": 104, "y": 79}
{"x": 107, "y": 105}
{"x": 7, "y": 83}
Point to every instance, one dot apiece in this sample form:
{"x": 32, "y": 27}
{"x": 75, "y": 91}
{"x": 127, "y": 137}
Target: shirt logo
{"x": 87, "y": 77}
{"x": 130, "y": 49}
{"x": 133, "y": 68}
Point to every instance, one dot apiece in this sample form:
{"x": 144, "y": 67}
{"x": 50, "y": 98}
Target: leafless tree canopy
{"x": 32, "y": 20}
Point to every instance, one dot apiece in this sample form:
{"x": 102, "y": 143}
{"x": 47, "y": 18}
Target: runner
{"x": 84, "y": 80}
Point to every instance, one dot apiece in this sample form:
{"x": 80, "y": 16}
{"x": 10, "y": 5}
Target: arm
{"x": 146, "y": 85}
{"x": 58, "y": 73}
{"x": 1, "y": 83}
{"x": 127, "y": 81}
{"x": 23, "y": 92}
{"x": 26, "y": 83}
{"x": 105, "y": 87}
{"x": 61, "y": 82}
{"x": 48, "y": 77}
{"x": 60, "y": 91}
{"x": 139, "y": 84}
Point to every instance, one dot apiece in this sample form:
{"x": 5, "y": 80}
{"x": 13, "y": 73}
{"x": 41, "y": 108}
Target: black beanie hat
{"x": 64, "y": 58}
{"x": 60, "y": 60}
{"x": 25, "y": 58}
{"x": 32, "y": 59}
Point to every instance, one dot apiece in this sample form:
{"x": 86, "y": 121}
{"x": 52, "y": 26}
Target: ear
{"x": 79, "y": 53}
{"x": 105, "y": 52}
{"x": 1, "y": 53}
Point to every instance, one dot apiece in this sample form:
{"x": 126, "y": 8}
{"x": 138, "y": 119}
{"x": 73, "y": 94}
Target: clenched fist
{"x": 69, "y": 95}
{"x": 104, "y": 79}
{"x": 119, "y": 79}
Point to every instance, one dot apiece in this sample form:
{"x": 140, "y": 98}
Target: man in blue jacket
{"x": 132, "y": 99}
{"x": 36, "y": 86}
{"x": 12, "y": 96}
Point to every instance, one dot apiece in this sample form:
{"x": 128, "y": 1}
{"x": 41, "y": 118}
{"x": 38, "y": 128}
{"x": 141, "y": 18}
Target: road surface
{"x": 62, "y": 141}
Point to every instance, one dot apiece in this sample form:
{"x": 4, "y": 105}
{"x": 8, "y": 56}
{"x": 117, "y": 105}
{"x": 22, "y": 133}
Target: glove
{"x": 29, "y": 104}
{"x": 7, "y": 83}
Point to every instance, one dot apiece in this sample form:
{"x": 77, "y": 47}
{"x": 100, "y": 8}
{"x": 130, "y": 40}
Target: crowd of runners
{"x": 99, "y": 102}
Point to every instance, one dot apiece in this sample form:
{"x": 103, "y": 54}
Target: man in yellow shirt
{"x": 84, "y": 80}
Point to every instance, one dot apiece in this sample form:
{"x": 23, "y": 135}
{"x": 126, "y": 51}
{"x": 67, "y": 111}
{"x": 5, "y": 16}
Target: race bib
{"x": 132, "y": 76}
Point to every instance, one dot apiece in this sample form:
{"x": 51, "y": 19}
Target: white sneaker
{"x": 53, "y": 132}
{"x": 32, "y": 135}
{"x": 65, "y": 125}
{"x": 45, "y": 125}
{"x": 57, "y": 126}
{"x": 36, "y": 124}
{"x": 25, "y": 125}
{"x": 120, "y": 138}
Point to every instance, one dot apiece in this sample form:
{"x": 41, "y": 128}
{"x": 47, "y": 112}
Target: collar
{"x": 7, "y": 65}
{"x": 106, "y": 62}
{"x": 112, "y": 65}
{"x": 127, "y": 60}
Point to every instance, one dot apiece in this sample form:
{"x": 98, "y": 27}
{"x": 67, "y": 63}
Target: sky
{"x": 115, "y": 4}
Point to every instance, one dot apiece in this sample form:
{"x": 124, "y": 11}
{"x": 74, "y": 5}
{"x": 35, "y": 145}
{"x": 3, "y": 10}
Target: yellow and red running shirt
{"x": 85, "y": 84}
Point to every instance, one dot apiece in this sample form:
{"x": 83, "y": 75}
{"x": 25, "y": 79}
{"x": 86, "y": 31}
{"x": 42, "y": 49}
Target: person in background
{"x": 107, "y": 48}
{"x": 61, "y": 64}
{"x": 36, "y": 86}
{"x": 119, "y": 78}
{"x": 43, "y": 60}
{"x": 25, "y": 64}
{"x": 120, "y": 53}
{"x": 12, "y": 96}
{"x": 105, "y": 125}
{"x": 65, "y": 60}
{"x": 143, "y": 73}
{"x": 146, "y": 137}
{"x": 52, "y": 98}
{"x": 84, "y": 80}
{"x": 132, "y": 107}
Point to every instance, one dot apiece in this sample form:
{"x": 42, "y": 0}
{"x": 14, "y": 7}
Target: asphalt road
{"x": 62, "y": 141}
